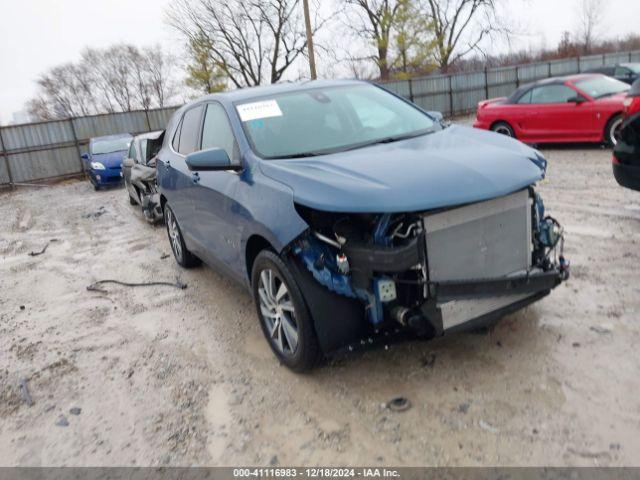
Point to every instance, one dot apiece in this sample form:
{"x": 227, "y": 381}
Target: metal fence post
{"x": 450, "y": 96}
{"x": 77, "y": 143}
{"x": 517, "y": 77}
{"x": 6, "y": 159}
{"x": 410, "y": 92}
{"x": 146, "y": 114}
{"x": 548, "y": 69}
{"x": 486, "y": 83}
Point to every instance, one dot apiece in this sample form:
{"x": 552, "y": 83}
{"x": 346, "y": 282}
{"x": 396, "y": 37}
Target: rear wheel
{"x": 284, "y": 317}
{"x": 612, "y": 130}
{"x": 183, "y": 256}
{"x": 503, "y": 128}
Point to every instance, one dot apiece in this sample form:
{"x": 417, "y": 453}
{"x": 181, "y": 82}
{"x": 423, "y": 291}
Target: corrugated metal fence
{"x": 459, "y": 94}
{"x": 46, "y": 150}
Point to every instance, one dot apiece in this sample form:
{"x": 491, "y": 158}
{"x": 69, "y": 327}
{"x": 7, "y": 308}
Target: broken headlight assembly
{"x": 377, "y": 259}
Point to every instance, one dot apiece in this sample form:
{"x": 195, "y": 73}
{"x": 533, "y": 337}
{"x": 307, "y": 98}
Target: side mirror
{"x": 210, "y": 159}
{"x": 128, "y": 162}
{"x": 85, "y": 156}
{"x": 577, "y": 99}
{"x": 437, "y": 116}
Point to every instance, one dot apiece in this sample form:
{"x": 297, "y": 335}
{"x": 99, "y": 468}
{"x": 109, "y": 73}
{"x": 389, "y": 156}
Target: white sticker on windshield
{"x": 257, "y": 110}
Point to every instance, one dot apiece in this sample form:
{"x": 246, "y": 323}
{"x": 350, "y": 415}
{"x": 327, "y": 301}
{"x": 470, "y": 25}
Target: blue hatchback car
{"x": 354, "y": 217}
{"x": 103, "y": 161}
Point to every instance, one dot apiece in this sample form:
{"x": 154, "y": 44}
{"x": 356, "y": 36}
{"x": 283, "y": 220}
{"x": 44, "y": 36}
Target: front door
{"x": 555, "y": 115}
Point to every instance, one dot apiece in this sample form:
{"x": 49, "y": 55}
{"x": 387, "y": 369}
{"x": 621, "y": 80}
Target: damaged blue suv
{"x": 353, "y": 216}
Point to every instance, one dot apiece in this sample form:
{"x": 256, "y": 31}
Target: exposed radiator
{"x": 489, "y": 239}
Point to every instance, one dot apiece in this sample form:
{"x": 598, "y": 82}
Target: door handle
{"x": 195, "y": 177}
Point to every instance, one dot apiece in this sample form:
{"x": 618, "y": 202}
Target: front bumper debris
{"x": 426, "y": 274}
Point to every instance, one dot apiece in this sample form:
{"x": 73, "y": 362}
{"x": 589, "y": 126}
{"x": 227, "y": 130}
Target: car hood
{"x": 450, "y": 167}
{"x": 109, "y": 160}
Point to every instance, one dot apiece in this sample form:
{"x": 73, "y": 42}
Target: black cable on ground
{"x": 94, "y": 287}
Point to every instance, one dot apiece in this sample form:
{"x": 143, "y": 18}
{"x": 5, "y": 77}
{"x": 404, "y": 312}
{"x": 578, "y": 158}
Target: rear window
{"x": 190, "y": 131}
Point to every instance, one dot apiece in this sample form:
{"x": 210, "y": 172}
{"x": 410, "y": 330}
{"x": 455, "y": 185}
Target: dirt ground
{"x": 183, "y": 377}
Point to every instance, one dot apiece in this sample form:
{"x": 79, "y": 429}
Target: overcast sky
{"x": 38, "y": 34}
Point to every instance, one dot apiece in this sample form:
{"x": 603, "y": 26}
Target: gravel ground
{"x": 162, "y": 376}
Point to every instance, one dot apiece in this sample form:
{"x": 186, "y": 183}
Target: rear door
{"x": 177, "y": 181}
{"x": 553, "y": 116}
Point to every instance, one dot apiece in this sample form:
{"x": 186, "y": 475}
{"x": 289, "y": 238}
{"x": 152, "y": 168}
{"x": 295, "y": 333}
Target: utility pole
{"x": 307, "y": 23}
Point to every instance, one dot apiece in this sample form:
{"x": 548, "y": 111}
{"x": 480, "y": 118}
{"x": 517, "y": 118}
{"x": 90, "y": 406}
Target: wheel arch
{"x": 608, "y": 122}
{"x": 255, "y": 244}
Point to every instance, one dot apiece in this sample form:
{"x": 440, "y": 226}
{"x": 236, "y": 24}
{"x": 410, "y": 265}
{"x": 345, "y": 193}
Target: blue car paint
{"x": 450, "y": 167}
{"x": 112, "y": 162}
{"x": 221, "y": 211}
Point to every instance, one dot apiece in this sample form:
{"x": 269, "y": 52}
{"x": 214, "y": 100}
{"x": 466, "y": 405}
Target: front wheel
{"x": 284, "y": 317}
{"x": 183, "y": 256}
{"x": 612, "y": 130}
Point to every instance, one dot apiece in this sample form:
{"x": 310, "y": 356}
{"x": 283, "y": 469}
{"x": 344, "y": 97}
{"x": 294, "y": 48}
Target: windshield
{"x": 99, "y": 147}
{"x": 598, "y": 87}
{"x": 327, "y": 120}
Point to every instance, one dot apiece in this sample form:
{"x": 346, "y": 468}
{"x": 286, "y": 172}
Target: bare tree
{"x": 590, "y": 18}
{"x": 160, "y": 68}
{"x": 460, "y": 26}
{"x": 119, "y": 78}
{"x": 250, "y": 41}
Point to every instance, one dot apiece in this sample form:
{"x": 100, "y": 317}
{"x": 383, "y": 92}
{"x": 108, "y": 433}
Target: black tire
{"x": 132, "y": 201}
{"x": 503, "y": 128}
{"x": 307, "y": 353}
{"x": 612, "y": 129}
{"x": 183, "y": 256}
{"x": 96, "y": 187}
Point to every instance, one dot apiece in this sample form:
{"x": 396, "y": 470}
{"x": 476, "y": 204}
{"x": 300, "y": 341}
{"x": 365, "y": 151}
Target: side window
{"x": 526, "y": 98}
{"x": 552, "y": 94}
{"x": 622, "y": 72}
{"x": 190, "y": 131}
{"x": 175, "y": 143}
{"x": 132, "y": 150}
{"x": 217, "y": 132}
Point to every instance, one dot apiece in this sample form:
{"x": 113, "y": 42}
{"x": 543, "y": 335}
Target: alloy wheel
{"x": 174, "y": 235}
{"x": 278, "y": 312}
{"x": 503, "y": 130}
{"x": 616, "y": 129}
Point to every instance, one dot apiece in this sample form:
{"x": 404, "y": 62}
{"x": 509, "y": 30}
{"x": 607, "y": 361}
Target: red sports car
{"x": 575, "y": 108}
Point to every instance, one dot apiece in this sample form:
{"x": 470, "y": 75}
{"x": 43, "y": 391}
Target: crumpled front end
{"x": 144, "y": 179}
{"x": 428, "y": 273}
